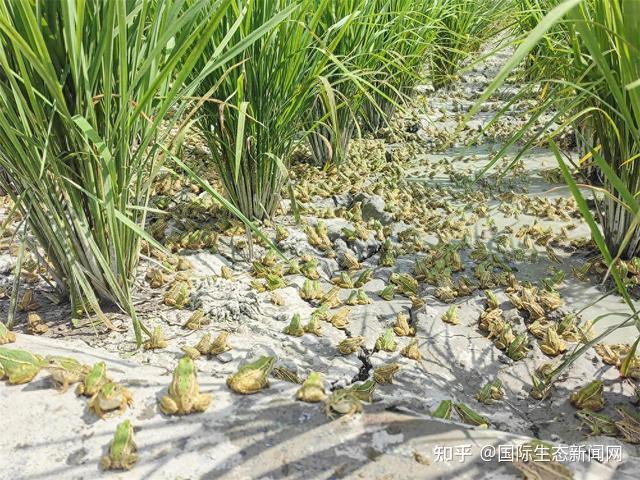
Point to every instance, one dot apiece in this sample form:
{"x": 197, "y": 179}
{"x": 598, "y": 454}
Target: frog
{"x": 183, "y": 395}
{"x": 204, "y": 344}
{"x": 20, "y": 366}
{"x": 598, "y": 423}
{"x": 468, "y": 416}
{"x": 517, "y": 349}
{"x": 274, "y": 282}
{"x": 552, "y": 345}
{"x": 350, "y": 345}
{"x": 109, "y": 398}
{"x": 628, "y": 425}
{"x": 490, "y": 392}
{"x": 183, "y": 264}
{"x": 312, "y": 390}
{"x": 406, "y": 284}
{"x": 358, "y": 297}
{"x": 277, "y": 299}
{"x": 505, "y": 338}
{"x": 364, "y": 390}
{"x": 294, "y": 328}
{"x": 281, "y": 234}
{"x": 541, "y": 381}
{"x": 123, "y": 450}
{"x": 340, "y": 318}
{"x": 363, "y": 278}
{"x": 196, "y": 320}
{"x": 538, "y": 328}
{"x": 387, "y": 255}
{"x": 313, "y": 326}
{"x": 384, "y": 374}
{"x": 387, "y": 293}
{"x": 533, "y": 465}
{"x": 610, "y": 354}
{"x": 321, "y": 313}
{"x": 567, "y": 329}
{"x": 252, "y": 377}
{"x": 178, "y": 295}
{"x": 589, "y": 397}
{"x": 309, "y": 269}
{"x": 349, "y": 261}
{"x": 226, "y": 273}
{"x": 220, "y": 344}
{"x": 443, "y": 410}
{"x": 156, "y": 341}
{"x": 93, "y": 381}
{"x": 401, "y": 326}
{"x": 155, "y": 277}
{"x": 258, "y": 286}
{"x": 6, "y": 335}
{"x": 65, "y": 371}
{"x": 35, "y": 325}
{"x": 331, "y": 298}
{"x": 311, "y": 290}
{"x": 386, "y": 341}
{"x": 192, "y": 352}
{"x": 27, "y": 302}
{"x": 412, "y": 351}
{"x": 343, "y": 280}
{"x": 451, "y": 315}
{"x": 492, "y": 301}
{"x": 342, "y": 402}
{"x": 269, "y": 259}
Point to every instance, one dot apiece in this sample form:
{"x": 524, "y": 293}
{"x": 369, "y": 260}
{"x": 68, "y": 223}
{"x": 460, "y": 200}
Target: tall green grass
{"x": 84, "y": 89}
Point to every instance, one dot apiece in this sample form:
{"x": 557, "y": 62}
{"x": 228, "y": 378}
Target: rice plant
{"x": 84, "y": 88}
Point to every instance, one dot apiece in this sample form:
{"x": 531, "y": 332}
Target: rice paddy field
{"x": 308, "y": 239}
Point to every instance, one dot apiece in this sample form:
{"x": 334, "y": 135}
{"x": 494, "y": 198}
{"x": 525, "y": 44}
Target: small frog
{"x": 312, "y": 390}
{"x": 27, "y": 303}
{"x": 610, "y": 354}
{"x": 109, "y": 398}
{"x": 220, "y": 344}
{"x": 384, "y": 374}
{"x": 364, "y": 390}
{"x": 386, "y": 341}
{"x": 342, "y": 402}
{"x": 122, "y": 452}
{"x": 192, "y": 352}
{"x": 183, "y": 396}
{"x": 281, "y": 234}
{"x": 589, "y": 397}
{"x": 226, "y": 273}
{"x": 331, "y": 298}
{"x": 252, "y": 377}
{"x": 66, "y": 371}
{"x": 313, "y": 326}
{"x": 309, "y": 268}
{"x": 294, "y": 328}
{"x": 492, "y": 301}
{"x": 274, "y": 282}
{"x": 343, "y": 280}
{"x": 311, "y": 290}
{"x": 505, "y": 338}
{"x": 204, "y": 344}
{"x": 6, "y": 335}
{"x": 628, "y": 425}
{"x": 286, "y": 374}
{"x": 321, "y": 313}
{"x": 156, "y": 340}
{"x": 491, "y": 392}
{"x": 401, "y": 328}
{"x": 155, "y": 277}
{"x": 358, "y": 297}
{"x": 20, "y": 366}
{"x": 412, "y": 351}
{"x": 468, "y": 416}
{"x": 183, "y": 264}
{"x": 552, "y": 345}
{"x": 443, "y": 410}
{"x": 35, "y": 325}
{"x": 350, "y": 345}
{"x": 517, "y": 349}
{"x": 340, "y": 318}
{"x": 451, "y": 315}
{"x": 406, "y": 284}
{"x": 178, "y": 295}
{"x": 196, "y": 320}
{"x": 349, "y": 261}
{"x": 387, "y": 293}
{"x": 598, "y": 423}
{"x": 277, "y": 299}
{"x": 363, "y": 278}
{"x": 93, "y": 381}
{"x": 567, "y": 329}
{"x": 388, "y": 254}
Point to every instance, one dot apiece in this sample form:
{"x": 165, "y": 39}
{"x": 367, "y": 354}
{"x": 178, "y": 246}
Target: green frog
{"x": 156, "y": 340}
{"x": 109, "y": 398}
{"x": 589, "y": 397}
{"x": 505, "y": 338}
{"x": 406, "y": 284}
{"x": 387, "y": 293}
{"x": 343, "y": 280}
{"x": 331, "y": 298}
{"x": 412, "y": 351}
{"x": 552, "y": 344}
{"x": 598, "y": 423}
{"x": 402, "y": 328}
{"x": 294, "y": 328}
{"x": 93, "y": 381}
{"x": 517, "y": 349}
{"x": 384, "y": 374}
{"x": 220, "y": 344}
{"x": 6, "y": 335}
{"x": 364, "y": 390}
{"x": 387, "y": 255}
{"x": 443, "y": 410}
{"x": 66, "y": 371}
{"x": 350, "y": 345}
{"x": 196, "y": 320}
{"x": 281, "y": 234}
{"x": 178, "y": 295}
{"x": 309, "y": 268}
{"x": 468, "y": 416}
{"x": 274, "y": 282}
{"x": 312, "y": 390}
{"x": 358, "y": 297}
{"x": 386, "y": 341}
{"x": 340, "y": 318}
{"x": 20, "y": 366}
{"x": 311, "y": 290}
{"x": 252, "y": 377}
{"x": 183, "y": 396}
{"x": 122, "y": 452}
{"x": 451, "y": 315}
{"x": 321, "y": 313}
{"x": 363, "y": 278}
{"x": 492, "y": 301}
{"x": 313, "y": 326}
{"x": 491, "y": 392}
{"x": 342, "y": 402}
